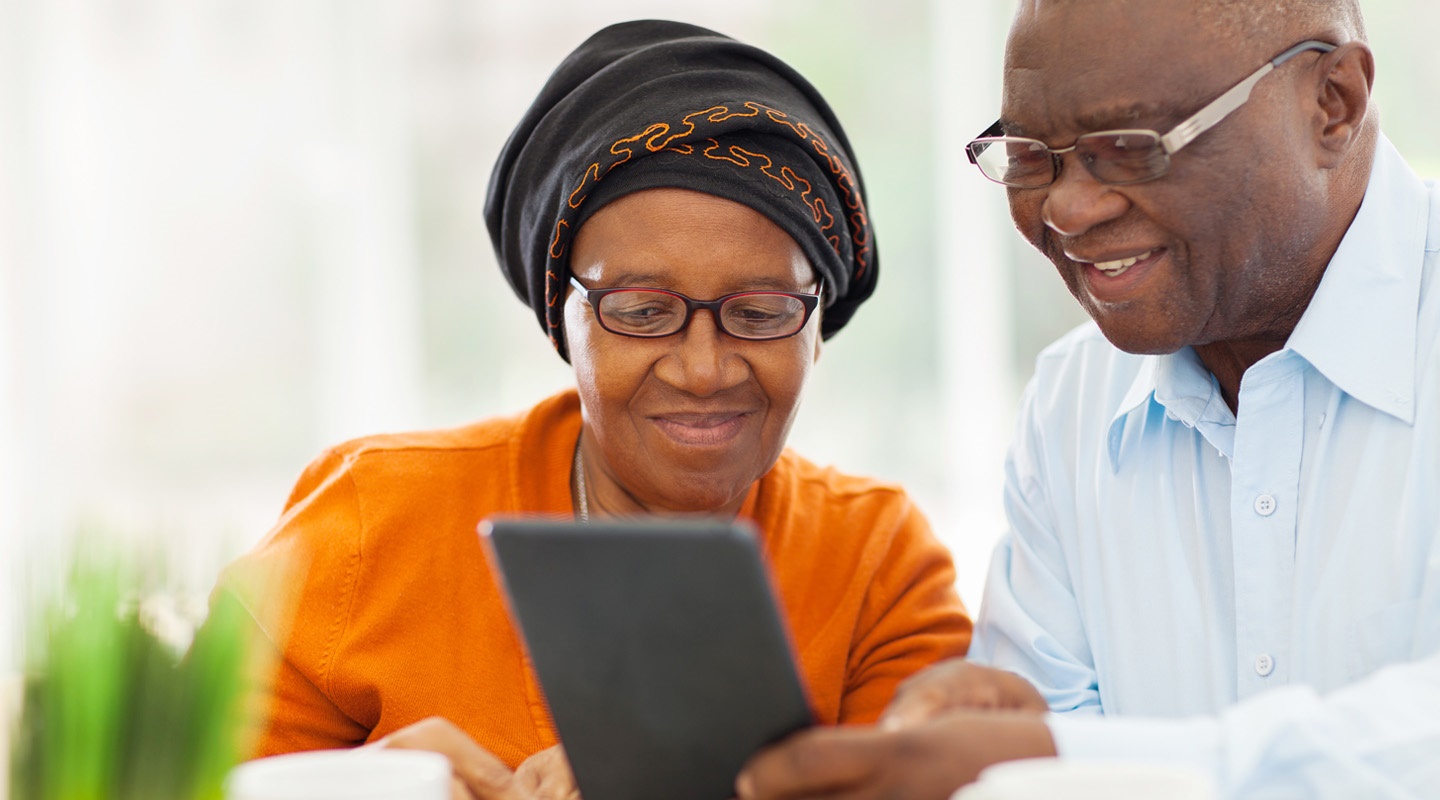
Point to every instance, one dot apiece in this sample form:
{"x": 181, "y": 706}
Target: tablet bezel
{"x": 664, "y": 706}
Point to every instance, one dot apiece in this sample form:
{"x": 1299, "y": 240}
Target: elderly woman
{"x": 683, "y": 214}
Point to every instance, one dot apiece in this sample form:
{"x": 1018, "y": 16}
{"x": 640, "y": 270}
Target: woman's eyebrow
{"x": 661, "y": 280}
{"x": 635, "y": 278}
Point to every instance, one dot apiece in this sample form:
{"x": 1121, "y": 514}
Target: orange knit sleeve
{"x": 911, "y": 617}
{"x": 297, "y": 586}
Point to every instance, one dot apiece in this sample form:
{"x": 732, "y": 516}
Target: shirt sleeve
{"x": 297, "y": 587}
{"x": 911, "y": 617}
{"x": 1378, "y": 737}
{"x": 285, "y": 711}
{"x": 1029, "y": 621}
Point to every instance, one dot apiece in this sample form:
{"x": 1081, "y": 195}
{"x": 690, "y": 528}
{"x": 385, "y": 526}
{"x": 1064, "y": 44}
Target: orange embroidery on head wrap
{"x": 557, "y": 244}
{"x": 660, "y": 136}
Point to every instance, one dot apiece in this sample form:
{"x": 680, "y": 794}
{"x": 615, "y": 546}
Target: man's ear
{"x": 1344, "y": 100}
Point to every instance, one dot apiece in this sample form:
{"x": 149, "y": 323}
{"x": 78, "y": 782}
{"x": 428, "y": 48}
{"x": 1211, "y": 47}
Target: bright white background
{"x": 233, "y": 232}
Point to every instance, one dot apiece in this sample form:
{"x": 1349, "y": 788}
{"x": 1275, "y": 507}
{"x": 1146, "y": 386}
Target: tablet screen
{"x": 659, "y": 646}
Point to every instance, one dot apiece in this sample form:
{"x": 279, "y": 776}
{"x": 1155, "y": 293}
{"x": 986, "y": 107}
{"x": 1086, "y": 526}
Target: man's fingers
{"x": 955, "y": 685}
{"x": 921, "y": 763}
{"x": 915, "y": 707}
{"x": 810, "y": 763}
{"x": 927, "y": 694}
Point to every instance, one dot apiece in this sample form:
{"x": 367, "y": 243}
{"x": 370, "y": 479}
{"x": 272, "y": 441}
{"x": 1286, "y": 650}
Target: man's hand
{"x": 955, "y": 685}
{"x": 478, "y": 774}
{"x": 925, "y": 762}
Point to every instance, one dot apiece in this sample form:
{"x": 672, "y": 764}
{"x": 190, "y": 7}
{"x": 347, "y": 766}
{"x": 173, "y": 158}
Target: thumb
{"x": 910, "y": 709}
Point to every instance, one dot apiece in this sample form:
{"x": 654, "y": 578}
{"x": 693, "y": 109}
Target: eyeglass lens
{"x": 1122, "y": 156}
{"x": 756, "y": 315}
{"x": 1113, "y": 157}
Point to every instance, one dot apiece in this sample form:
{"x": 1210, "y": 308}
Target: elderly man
{"x": 1224, "y": 495}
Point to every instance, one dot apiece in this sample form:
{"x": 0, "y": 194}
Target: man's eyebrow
{"x": 1146, "y": 113}
{"x": 1133, "y": 115}
{"x": 1009, "y": 127}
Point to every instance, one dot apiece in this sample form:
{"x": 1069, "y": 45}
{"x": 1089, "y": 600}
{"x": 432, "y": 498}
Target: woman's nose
{"x": 704, "y": 361}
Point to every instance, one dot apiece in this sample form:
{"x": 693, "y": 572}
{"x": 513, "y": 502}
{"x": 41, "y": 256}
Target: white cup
{"x": 1060, "y": 779}
{"x": 366, "y": 773}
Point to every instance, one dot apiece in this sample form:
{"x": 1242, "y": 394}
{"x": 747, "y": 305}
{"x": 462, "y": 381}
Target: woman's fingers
{"x": 546, "y": 775}
{"x": 480, "y": 774}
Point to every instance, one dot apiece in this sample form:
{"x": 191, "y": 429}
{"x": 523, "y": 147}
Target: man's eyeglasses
{"x": 1118, "y": 156}
{"x": 651, "y": 313}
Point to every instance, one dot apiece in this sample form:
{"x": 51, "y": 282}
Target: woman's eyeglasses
{"x": 651, "y": 313}
{"x": 1115, "y": 157}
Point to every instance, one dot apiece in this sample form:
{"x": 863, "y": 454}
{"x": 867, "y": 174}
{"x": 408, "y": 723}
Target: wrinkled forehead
{"x": 1077, "y": 65}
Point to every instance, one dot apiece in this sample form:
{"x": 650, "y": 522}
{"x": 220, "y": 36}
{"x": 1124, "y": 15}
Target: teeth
{"x": 1116, "y": 268}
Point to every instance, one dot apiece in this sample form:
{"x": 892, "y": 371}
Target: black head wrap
{"x": 651, "y": 104}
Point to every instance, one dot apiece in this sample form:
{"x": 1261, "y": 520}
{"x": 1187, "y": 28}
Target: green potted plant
{"x": 113, "y": 708}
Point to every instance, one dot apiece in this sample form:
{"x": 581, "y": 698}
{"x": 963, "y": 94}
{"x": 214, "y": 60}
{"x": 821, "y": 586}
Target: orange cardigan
{"x": 388, "y": 613}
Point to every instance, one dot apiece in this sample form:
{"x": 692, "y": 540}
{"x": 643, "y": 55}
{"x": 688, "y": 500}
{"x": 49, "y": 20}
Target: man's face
{"x": 1217, "y": 249}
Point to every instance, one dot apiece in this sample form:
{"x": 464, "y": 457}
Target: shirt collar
{"x": 1180, "y": 385}
{"x": 1359, "y": 329}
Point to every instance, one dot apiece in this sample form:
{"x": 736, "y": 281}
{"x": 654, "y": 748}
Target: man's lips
{"x": 701, "y": 429}
{"x": 1113, "y": 265}
{"x": 1114, "y": 276}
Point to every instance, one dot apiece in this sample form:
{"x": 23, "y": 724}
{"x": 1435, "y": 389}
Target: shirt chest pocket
{"x": 1383, "y": 637}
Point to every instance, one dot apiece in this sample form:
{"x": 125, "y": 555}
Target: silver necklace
{"x": 581, "y": 500}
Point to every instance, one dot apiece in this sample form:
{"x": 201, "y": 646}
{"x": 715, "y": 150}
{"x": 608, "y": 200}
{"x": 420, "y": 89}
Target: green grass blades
{"x": 112, "y": 711}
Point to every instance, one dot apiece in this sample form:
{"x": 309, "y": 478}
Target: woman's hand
{"x": 546, "y": 776}
{"x": 478, "y": 774}
{"x": 955, "y": 685}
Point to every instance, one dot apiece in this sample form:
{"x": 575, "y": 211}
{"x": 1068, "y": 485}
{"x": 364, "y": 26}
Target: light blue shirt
{"x": 1258, "y": 597}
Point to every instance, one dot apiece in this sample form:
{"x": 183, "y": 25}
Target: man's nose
{"x": 1077, "y": 202}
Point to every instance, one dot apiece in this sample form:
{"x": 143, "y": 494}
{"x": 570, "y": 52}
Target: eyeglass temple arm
{"x": 1221, "y": 107}
{"x": 976, "y": 148}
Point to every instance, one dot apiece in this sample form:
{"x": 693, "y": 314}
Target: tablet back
{"x": 659, "y": 646}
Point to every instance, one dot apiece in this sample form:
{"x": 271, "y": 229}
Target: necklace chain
{"x": 582, "y": 500}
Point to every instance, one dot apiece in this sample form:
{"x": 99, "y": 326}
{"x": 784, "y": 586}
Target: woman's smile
{"x": 702, "y": 429}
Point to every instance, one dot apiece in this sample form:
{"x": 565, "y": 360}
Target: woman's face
{"x": 684, "y": 423}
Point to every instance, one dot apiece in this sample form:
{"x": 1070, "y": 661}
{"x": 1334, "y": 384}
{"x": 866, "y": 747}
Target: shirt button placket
{"x": 1264, "y": 665}
{"x": 1269, "y": 437}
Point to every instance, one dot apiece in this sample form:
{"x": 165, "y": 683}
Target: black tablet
{"x": 659, "y": 646}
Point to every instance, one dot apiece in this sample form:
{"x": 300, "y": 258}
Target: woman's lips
{"x": 701, "y": 430}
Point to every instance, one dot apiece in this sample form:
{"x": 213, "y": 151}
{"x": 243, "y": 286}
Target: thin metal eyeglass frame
{"x": 593, "y": 296}
{"x": 1169, "y": 143}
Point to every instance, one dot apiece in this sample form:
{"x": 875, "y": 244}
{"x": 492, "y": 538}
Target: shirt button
{"x": 1264, "y": 665}
{"x": 1264, "y": 505}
